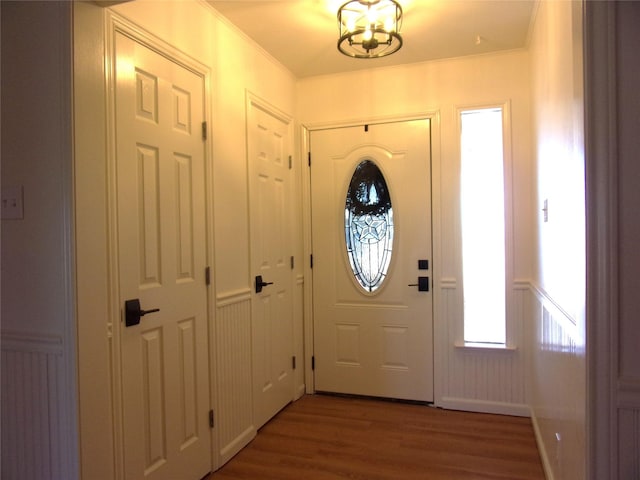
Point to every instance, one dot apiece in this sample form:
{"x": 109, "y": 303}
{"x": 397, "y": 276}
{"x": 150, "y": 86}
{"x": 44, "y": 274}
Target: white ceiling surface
{"x": 303, "y": 34}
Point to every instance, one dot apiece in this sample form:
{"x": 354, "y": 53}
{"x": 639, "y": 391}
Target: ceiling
{"x": 303, "y": 34}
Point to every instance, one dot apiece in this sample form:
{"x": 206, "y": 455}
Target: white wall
{"x": 557, "y": 315}
{"x": 36, "y": 154}
{"x": 38, "y": 344}
{"x": 482, "y": 380}
{"x": 235, "y": 65}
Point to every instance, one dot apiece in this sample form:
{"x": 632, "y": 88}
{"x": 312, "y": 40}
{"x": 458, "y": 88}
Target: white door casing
{"x": 269, "y": 149}
{"x": 161, "y": 221}
{"x": 376, "y": 344}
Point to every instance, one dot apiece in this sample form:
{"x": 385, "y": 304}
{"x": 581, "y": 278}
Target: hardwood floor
{"x": 325, "y": 437}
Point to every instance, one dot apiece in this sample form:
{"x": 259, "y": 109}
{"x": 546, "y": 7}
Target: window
{"x": 368, "y": 222}
{"x": 482, "y": 191}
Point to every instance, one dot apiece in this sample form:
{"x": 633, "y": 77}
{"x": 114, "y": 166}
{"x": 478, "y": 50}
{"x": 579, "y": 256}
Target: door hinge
{"x": 293, "y": 362}
{"x": 207, "y": 275}
{"x": 311, "y": 261}
{"x": 290, "y": 162}
{"x": 292, "y": 262}
{"x": 211, "y": 419}
{"x": 309, "y": 158}
{"x": 204, "y": 130}
{"x": 366, "y": 128}
{"x": 313, "y": 362}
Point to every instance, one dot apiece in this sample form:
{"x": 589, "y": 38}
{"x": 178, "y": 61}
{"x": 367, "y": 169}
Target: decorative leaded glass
{"x": 368, "y": 222}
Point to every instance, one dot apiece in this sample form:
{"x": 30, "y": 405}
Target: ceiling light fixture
{"x": 369, "y": 28}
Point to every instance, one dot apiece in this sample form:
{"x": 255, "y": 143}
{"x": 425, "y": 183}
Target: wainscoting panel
{"x": 234, "y": 414}
{"x": 482, "y": 379}
{"x": 34, "y": 418}
{"x": 629, "y": 442}
{"x": 557, "y": 387}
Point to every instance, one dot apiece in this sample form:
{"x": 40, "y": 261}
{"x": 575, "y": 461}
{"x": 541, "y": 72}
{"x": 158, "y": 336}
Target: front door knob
{"x": 423, "y": 284}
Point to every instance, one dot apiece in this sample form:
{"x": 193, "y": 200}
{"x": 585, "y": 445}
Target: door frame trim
{"x": 114, "y": 24}
{"x": 439, "y": 330}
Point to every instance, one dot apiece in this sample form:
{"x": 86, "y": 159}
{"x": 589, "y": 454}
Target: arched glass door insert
{"x": 368, "y": 226}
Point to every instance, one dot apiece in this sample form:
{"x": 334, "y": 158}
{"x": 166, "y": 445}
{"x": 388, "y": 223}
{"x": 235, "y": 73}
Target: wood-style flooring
{"x": 322, "y": 437}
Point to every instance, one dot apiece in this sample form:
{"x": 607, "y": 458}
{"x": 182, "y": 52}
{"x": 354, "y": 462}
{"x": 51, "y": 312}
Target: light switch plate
{"x": 12, "y": 203}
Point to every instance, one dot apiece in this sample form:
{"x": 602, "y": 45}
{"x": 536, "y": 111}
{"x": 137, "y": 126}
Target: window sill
{"x": 485, "y": 347}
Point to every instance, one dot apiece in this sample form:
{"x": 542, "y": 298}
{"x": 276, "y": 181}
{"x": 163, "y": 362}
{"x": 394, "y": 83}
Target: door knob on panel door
{"x": 260, "y": 283}
{"x": 133, "y": 312}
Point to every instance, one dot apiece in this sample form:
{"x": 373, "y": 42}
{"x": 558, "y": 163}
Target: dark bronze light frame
{"x": 367, "y": 36}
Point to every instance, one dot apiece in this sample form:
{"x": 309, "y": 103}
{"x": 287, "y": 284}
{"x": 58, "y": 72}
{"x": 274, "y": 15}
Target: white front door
{"x": 372, "y": 325}
{"x": 269, "y": 139}
{"x": 162, "y": 259}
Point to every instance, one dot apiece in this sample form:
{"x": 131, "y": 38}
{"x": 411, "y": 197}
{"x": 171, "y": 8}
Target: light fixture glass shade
{"x": 369, "y": 28}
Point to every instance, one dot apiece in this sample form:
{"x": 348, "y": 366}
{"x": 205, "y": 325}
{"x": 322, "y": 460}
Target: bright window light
{"x": 483, "y": 226}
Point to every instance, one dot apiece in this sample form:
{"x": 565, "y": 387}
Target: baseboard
{"x": 483, "y": 406}
{"x": 242, "y": 440}
{"x": 542, "y": 451}
{"x": 300, "y": 391}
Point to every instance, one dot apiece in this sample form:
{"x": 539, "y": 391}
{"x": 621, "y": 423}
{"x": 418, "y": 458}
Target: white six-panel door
{"x": 269, "y": 147}
{"x": 381, "y": 343}
{"x": 162, "y": 258}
